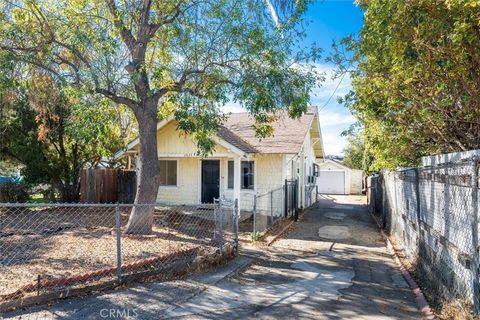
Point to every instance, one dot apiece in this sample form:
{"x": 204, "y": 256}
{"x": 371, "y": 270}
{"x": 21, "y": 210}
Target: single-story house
{"x": 241, "y": 165}
{"x": 336, "y": 178}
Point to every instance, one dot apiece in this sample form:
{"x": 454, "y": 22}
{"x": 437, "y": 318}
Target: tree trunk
{"x": 148, "y": 179}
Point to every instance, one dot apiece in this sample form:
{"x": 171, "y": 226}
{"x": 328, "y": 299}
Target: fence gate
{"x": 291, "y": 198}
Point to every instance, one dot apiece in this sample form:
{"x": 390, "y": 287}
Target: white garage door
{"x": 331, "y": 182}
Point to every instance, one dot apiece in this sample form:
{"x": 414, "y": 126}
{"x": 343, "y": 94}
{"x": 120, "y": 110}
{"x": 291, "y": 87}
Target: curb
{"x": 285, "y": 229}
{"x": 422, "y": 302}
{"x": 278, "y": 235}
{"x": 249, "y": 259}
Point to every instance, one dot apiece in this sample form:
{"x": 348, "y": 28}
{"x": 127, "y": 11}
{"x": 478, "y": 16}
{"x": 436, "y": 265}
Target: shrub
{"x": 14, "y": 192}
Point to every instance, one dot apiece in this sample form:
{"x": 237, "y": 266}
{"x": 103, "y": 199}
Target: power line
{"x": 333, "y": 93}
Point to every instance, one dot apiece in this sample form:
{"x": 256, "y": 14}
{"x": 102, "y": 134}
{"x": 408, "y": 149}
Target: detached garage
{"x": 336, "y": 178}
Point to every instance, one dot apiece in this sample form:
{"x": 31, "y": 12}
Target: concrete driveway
{"x": 332, "y": 265}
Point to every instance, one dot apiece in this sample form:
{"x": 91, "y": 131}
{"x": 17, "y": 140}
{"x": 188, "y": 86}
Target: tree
{"x": 53, "y": 134}
{"x": 354, "y": 152}
{"x": 416, "y": 78}
{"x": 357, "y": 153}
{"x": 151, "y": 55}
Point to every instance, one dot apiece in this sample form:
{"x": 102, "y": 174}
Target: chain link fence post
{"x": 271, "y": 207}
{"x": 395, "y": 203}
{"x": 296, "y": 194}
{"x": 254, "y": 217}
{"x": 220, "y": 231}
{"x": 236, "y": 211}
{"x": 417, "y": 194}
{"x": 475, "y": 258}
{"x": 384, "y": 201}
{"x": 118, "y": 232}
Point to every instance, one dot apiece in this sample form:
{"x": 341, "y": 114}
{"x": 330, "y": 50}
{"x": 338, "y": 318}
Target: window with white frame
{"x": 230, "y": 174}
{"x": 247, "y": 175}
{"x": 168, "y": 172}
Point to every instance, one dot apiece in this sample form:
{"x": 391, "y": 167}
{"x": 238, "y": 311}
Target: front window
{"x": 230, "y": 174}
{"x": 246, "y": 175}
{"x": 168, "y": 172}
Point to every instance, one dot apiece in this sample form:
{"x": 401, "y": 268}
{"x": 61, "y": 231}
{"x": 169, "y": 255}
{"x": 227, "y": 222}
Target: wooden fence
{"x": 107, "y": 186}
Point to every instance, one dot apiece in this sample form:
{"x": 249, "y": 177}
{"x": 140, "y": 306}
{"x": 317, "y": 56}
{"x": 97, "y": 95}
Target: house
{"x": 336, "y": 178}
{"x": 241, "y": 165}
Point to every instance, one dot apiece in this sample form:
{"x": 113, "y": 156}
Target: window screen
{"x": 246, "y": 175}
{"x": 230, "y": 174}
{"x": 168, "y": 172}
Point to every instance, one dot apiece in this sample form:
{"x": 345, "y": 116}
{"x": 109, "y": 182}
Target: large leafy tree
{"x": 53, "y": 133}
{"x": 152, "y": 55}
{"x": 180, "y": 57}
{"x": 417, "y": 78}
{"x": 354, "y": 151}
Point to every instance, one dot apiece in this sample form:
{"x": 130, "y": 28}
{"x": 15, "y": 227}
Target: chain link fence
{"x": 431, "y": 214}
{"x": 269, "y": 207}
{"x": 53, "y": 250}
{"x": 278, "y": 204}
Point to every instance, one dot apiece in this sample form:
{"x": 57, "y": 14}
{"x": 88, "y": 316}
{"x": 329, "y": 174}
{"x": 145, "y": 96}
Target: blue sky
{"x": 330, "y": 20}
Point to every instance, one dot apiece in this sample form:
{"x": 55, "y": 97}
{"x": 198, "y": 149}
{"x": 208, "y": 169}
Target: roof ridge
{"x": 249, "y": 145}
{"x": 310, "y": 108}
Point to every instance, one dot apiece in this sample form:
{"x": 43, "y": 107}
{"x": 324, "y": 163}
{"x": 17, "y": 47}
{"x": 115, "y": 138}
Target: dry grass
{"x": 455, "y": 310}
{"x": 71, "y": 243}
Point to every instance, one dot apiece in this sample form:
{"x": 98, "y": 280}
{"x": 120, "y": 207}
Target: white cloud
{"x": 333, "y": 121}
{"x": 329, "y": 118}
{"x": 334, "y": 118}
{"x": 328, "y": 89}
{"x": 333, "y": 142}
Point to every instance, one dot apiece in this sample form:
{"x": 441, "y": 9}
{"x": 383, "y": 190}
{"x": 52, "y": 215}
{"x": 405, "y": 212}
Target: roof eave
{"x": 220, "y": 141}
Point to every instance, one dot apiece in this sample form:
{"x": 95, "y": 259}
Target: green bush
{"x": 14, "y": 192}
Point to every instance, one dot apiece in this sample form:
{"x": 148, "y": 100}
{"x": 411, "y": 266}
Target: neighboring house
{"x": 336, "y": 178}
{"x": 241, "y": 164}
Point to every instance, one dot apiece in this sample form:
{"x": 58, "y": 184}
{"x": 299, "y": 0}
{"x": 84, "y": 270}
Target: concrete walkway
{"x": 332, "y": 265}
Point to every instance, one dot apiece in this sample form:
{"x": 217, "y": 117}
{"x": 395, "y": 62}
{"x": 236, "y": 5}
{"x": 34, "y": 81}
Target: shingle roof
{"x": 288, "y": 134}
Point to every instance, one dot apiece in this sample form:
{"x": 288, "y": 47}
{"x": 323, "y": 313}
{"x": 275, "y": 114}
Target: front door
{"x": 210, "y": 180}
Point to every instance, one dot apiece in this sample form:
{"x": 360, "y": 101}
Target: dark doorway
{"x": 210, "y": 180}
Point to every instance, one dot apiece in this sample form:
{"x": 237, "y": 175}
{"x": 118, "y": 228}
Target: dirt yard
{"x": 54, "y": 244}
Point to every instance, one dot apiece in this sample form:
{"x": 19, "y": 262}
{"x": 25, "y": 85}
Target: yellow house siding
{"x": 187, "y": 189}
{"x": 171, "y": 142}
{"x": 269, "y": 176}
{"x": 268, "y": 172}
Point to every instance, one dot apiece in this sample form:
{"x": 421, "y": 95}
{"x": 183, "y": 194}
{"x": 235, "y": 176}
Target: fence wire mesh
{"x": 56, "y": 248}
{"x": 269, "y": 208}
{"x": 432, "y": 215}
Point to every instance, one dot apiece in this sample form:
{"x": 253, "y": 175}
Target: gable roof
{"x": 335, "y": 162}
{"x": 237, "y": 131}
{"x": 288, "y": 134}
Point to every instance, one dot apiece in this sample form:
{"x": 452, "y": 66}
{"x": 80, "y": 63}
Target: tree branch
{"x": 116, "y": 98}
{"x": 125, "y": 33}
